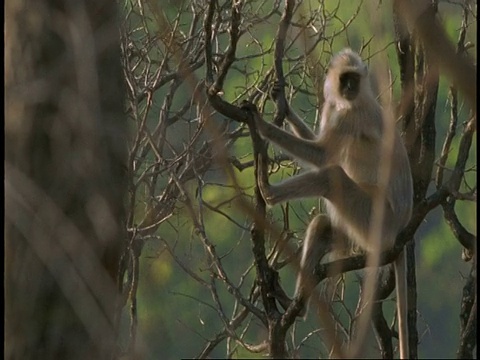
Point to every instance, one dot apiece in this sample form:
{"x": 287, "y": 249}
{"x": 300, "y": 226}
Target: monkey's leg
{"x": 317, "y": 243}
{"x": 297, "y": 187}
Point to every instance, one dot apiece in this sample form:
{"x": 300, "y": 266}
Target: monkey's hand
{"x": 262, "y": 180}
{"x": 278, "y": 96}
{"x": 260, "y": 124}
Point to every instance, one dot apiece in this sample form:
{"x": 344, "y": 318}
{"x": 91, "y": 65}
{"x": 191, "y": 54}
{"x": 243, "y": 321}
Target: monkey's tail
{"x": 402, "y": 301}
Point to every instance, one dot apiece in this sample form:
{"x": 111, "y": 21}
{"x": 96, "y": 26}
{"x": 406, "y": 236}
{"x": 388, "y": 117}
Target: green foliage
{"x": 176, "y": 313}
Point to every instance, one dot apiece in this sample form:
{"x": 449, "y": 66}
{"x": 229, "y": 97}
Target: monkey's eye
{"x": 349, "y": 85}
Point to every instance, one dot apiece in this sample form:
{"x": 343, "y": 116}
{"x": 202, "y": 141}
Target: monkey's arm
{"x": 298, "y": 126}
{"x": 306, "y": 150}
{"x": 304, "y": 185}
{"x": 330, "y": 182}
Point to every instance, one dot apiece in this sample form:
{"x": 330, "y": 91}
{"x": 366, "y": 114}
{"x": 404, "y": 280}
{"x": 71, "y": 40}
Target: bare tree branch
{"x": 279, "y": 54}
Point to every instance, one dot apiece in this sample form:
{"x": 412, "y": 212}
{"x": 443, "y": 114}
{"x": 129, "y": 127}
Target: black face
{"x": 349, "y": 85}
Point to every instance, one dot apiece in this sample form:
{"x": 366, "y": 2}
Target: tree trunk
{"x": 65, "y": 183}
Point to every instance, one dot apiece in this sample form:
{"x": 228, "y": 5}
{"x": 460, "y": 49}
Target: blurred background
{"x": 129, "y": 198}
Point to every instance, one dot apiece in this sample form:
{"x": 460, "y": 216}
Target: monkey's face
{"x": 349, "y": 85}
{"x": 346, "y": 77}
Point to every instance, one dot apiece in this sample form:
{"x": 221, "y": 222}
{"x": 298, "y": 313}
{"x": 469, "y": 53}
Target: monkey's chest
{"x": 360, "y": 164}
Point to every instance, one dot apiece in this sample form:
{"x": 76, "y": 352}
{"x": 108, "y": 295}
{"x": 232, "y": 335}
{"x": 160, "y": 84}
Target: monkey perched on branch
{"x": 344, "y": 158}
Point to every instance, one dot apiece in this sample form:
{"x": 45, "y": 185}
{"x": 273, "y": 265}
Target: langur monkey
{"x": 344, "y": 158}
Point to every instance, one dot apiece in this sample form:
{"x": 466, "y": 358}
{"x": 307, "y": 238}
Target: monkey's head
{"x": 347, "y": 78}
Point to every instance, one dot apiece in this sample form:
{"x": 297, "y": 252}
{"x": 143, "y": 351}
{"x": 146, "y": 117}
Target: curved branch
{"x": 468, "y": 318}
{"x": 460, "y": 69}
{"x": 280, "y": 101}
{"x": 266, "y": 276}
{"x": 467, "y": 239}
{"x": 232, "y": 47}
{"x": 229, "y": 57}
